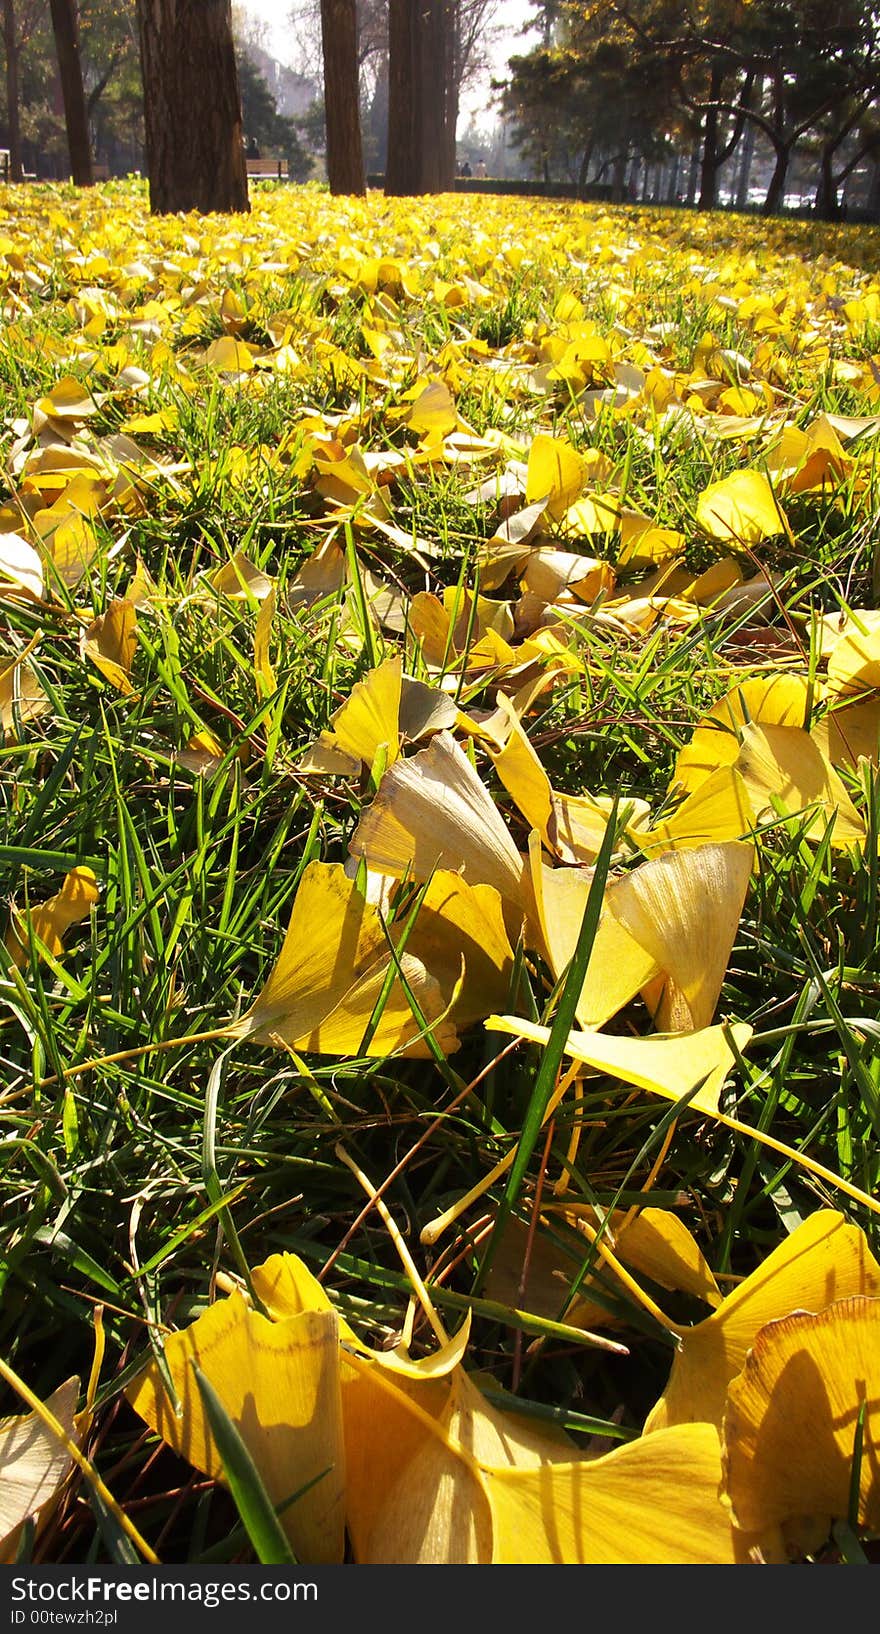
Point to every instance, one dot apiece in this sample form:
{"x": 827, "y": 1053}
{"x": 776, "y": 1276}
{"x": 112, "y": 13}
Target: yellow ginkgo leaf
{"x": 431, "y": 812}
{"x": 368, "y": 720}
{"x": 619, "y": 967}
{"x": 22, "y": 698}
{"x": 21, "y": 571}
{"x": 412, "y": 1497}
{"x": 780, "y": 700}
{"x": 330, "y": 975}
{"x": 571, "y": 826}
{"x": 110, "y": 641}
{"x": 547, "y": 573}
{"x": 718, "y": 810}
{"x": 229, "y": 356}
{"x": 854, "y": 664}
{"x": 263, "y": 671}
{"x": 639, "y": 1505}
{"x": 433, "y": 414}
{"x": 50, "y": 920}
{"x": 670, "y": 1067}
{"x": 556, "y": 473}
{"x": 643, "y": 542}
{"x": 684, "y": 909}
{"x": 785, "y": 763}
{"x": 279, "y": 1383}
{"x": 286, "y": 1287}
{"x": 240, "y": 579}
{"x": 69, "y": 399}
{"x": 853, "y": 733}
{"x": 33, "y": 1466}
{"x": 789, "y": 1427}
{"x": 824, "y": 1260}
{"x": 741, "y": 509}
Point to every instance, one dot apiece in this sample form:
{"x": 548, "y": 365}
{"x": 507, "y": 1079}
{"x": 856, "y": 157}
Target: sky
{"x": 476, "y": 103}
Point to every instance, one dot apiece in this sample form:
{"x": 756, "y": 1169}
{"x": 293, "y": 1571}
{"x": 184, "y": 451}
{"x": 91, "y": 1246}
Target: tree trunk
{"x": 345, "y": 161}
{"x": 13, "y": 109}
{"x": 775, "y": 199}
{"x": 672, "y": 182}
{"x": 402, "y": 170}
{"x": 827, "y": 207}
{"x": 748, "y": 154}
{"x": 709, "y": 162}
{"x": 454, "y": 69}
{"x": 420, "y": 108}
{"x": 192, "y": 115}
{"x": 693, "y": 173}
{"x": 64, "y": 24}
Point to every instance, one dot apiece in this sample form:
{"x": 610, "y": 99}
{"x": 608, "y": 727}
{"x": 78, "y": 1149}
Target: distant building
{"x": 293, "y": 92}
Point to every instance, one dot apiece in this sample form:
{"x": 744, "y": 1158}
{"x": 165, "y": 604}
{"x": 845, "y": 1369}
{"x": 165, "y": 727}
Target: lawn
{"x": 439, "y": 824}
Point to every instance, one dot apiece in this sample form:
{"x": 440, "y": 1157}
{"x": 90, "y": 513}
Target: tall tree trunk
{"x": 584, "y": 167}
{"x": 827, "y": 207}
{"x": 192, "y": 117}
{"x": 745, "y": 173}
{"x": 345, "y": 160}
{"x": 64, "y": 24}
{"x": 13, "y": 107}
{"x": 672, "y": 183}
{"x": 775, "y": 199}
{"x": 419, "y": 111}
{"x": 452, "y": 93}
{"x": 709, "y": 162}
{"x": 402, "y": 170}
{"x": 693, "y": 173}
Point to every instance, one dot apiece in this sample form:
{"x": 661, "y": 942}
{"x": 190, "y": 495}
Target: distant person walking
{"x": 481, "y": 172}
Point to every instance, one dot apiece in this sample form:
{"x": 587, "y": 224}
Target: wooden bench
{"x": 267, "y": 169}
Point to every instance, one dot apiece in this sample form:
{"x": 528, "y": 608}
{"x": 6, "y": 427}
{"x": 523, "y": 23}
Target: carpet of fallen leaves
{"x": 485, "y": 591}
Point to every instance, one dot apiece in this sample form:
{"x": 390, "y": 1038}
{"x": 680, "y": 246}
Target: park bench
{"x": 268, "y": 169}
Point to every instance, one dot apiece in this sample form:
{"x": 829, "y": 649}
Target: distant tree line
{"x": 659, "y": 96}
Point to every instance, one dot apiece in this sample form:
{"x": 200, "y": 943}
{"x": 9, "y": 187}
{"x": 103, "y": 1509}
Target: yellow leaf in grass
{"x": 432, "y": 811}
{"x": 664, "y": 1066}
{"x": 370, "y": 717}
{"x": 265, "y": 674}
{"x": 556, "y": 473}
{"x": 854, "y": 664}
{"x": 22, "y": 697}
{"x": 279, "y": 1383}
{"x": 652, "y": 1241}
{"x": 229, "y": 356}
{"x": 110, "y": 641}
{"x": 639, "y": 1505}
{"x": 684, "y": 909}
{"x": 331, "y": 973}
{"x": 21, "y": 571}
{"x": 824, "y": 1260}
{"x": 571, "y": 826}
{"x": 433, "y": 414}
{"x": 785, "y": 763}
{"x": 240, "y": 579}
{"x": 33, "y": 1466}
{"x": 461, "y": 924}
{"x": 741, "y": 509}
{"x": 619, "y": 967}
{"x": 789, "y": 1424}
{"x": 780, "y": 700}
{"x": 53, "y": 918}
{"x": 719, "y": 809}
